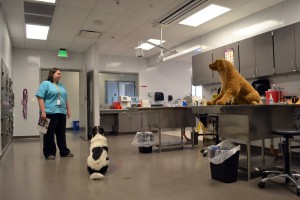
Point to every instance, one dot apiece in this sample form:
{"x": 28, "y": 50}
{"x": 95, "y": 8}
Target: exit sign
{"x": 62, "y": 53}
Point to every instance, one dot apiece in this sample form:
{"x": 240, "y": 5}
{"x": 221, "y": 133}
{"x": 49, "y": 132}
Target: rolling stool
{"x": 287, "y": 174}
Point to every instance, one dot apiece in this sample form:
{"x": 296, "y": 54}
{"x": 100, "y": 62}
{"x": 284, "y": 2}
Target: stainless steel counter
{"x": 169, "y": 117}
{"x": 251, "y": 122}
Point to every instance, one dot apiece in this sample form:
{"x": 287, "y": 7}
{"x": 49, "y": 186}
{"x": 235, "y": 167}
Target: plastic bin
{"x": 145, "y": 149}
{"x": 76, "y": 125}
{"x": 227, "y": 171}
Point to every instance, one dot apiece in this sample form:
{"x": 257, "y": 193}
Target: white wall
{"x": 170, "y": 77}
{"x": 27, "y": 65}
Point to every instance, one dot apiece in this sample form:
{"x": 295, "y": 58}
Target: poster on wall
{"x": 229, "y": 55}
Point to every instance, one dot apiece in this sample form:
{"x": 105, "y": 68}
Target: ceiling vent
{"x": 38, "y": 13}
{"x": 179, "y": 11}
{"x": 89, "y": 34}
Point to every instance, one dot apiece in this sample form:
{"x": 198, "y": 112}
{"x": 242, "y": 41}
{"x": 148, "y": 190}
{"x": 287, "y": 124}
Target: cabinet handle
{"x": 257, "y": 71}
{"x": 253, "y": 72}
{"x": 294, "y": 66}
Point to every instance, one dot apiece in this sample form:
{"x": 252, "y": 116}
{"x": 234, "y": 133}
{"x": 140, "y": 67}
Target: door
{"x": 247, "y": 58}
{"x": 284, "y": 49}
{"x": 264, "y": 54}
{"x": 90, "y": 98}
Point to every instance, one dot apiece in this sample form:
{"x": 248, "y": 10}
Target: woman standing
{"x": 53, "y": 103}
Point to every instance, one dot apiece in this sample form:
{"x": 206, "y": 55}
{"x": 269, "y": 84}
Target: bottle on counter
{"x": 271, "y": 100}
{"x": 204, "y": 102}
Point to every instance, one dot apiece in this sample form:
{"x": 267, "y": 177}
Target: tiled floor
{"x": 174, "y": 174}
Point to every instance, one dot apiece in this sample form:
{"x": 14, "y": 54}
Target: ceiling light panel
{"x": 46, "y": 1}
{"x": 36, "y": 32}
{"x": 210, "y": 12}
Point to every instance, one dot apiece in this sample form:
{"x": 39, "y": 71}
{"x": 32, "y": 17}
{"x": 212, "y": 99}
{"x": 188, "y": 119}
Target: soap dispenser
{"x": 271, "y": 100}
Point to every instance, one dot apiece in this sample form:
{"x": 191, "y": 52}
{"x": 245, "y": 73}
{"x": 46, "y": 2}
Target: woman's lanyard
{"x": 58, "y": 101}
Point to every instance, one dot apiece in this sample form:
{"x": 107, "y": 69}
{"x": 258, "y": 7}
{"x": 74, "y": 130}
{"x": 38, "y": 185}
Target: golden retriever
{"x": 234, "y": 86}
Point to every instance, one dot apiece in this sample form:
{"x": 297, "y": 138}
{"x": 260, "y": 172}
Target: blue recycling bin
{"x": 76, "y": 125}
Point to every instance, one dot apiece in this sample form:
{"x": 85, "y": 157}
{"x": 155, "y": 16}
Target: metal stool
{"x": 287, "y": 174}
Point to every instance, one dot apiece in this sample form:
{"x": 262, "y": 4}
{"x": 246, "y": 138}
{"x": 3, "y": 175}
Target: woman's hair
{"x": 51, "y": 72}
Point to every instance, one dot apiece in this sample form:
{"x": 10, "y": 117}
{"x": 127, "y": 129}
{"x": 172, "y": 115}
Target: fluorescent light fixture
{"x": 36, "y": 32}
{"x": 255, "y": 28}
{"x": 210, "y": 12}
{"x": 147, "y": 46}
{"x": 47, "y": 1}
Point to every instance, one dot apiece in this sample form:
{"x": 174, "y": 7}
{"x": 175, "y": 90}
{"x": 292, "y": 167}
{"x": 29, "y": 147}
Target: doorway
{"x": 70, "y": 79}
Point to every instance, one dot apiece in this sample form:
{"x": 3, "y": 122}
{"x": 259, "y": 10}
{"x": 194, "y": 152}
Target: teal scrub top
{"x": 50, "y": 93}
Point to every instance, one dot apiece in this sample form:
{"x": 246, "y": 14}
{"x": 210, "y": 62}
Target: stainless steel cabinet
{"x": 124, "y": 121}
{"x": 135, "y": 121}
{"x": 247, "y": 58}
{"x": 216, "y": 54}
{"x": 197, "y": 69}
{"x": 284, "y": 50}
{"x": 263, "y": 48}
{"x": 132, "y": 121}
{"x": 297, "y": 43}
{"x": 207, "y": 76}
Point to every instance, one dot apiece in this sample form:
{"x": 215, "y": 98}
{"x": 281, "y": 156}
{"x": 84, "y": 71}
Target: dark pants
{"x": 58, "y": 126}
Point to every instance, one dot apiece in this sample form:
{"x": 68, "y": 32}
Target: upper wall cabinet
{"x": 263, "y": 49}
{"x": 202, "y": 74}
{"x": 197, "y": 69}
{"x": 284, "y": 50}
{"x": 216, "y": 54}
{"x": 207, "y": 76}
{"x": 247, "y": 58}
{"x": 297, "y": 42}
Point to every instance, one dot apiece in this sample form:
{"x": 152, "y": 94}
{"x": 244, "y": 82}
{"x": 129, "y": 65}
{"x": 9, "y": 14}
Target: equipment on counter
{"x": 145, "y": 103}
{"x": 192, "y": 100}
{"x": 125, "y": 101}
{"x": 135, "y": 101}
{"x": 159, "y": 96}
{"x": 261, "y": 86}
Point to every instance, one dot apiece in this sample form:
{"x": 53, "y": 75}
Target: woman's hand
{"x": 43, "y": 116}
{"x": 68, "y": 114}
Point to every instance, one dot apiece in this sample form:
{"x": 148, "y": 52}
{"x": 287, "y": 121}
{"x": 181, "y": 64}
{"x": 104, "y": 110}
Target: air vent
{"x": 39, "y": 8}
{"x": 38, "y": 13}
{"x": 179, "y": 11}
{"x": 40, "y": 20}
{"x": 89, "y": 34}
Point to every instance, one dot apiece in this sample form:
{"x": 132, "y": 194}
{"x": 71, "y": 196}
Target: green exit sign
{"x": 62, "y": 53}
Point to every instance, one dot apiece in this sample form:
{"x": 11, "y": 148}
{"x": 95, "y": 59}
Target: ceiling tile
{"x": 87, "y": 4}
{"x": 79, "y": 47}
{"x": 111, "y": 6}
{"x": 16, "y": 29}
{"x": 107, "y": 19}
{"x": 13, "y": 10}
{"x": 62, "y": 34}
{"x": 55, "y": 45}
{"x": 70, "y": 17}
{"x": 18, "y": 42}
{"x": 126, "y": 25}
{"x": 35, "y": 44}
{"x": 110, "y": 39}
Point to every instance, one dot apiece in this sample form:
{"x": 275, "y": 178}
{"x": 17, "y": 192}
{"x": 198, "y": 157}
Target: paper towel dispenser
{"x": 159, "y": 96}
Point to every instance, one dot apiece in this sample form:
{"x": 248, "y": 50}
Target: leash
{"x": 24, "y": 103}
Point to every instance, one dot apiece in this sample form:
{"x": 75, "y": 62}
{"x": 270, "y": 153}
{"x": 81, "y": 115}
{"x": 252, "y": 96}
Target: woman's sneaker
{"x": 51, "y": 157}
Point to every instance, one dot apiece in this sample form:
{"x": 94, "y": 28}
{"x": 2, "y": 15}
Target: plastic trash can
{"x": 76, "y": 125}
{"x": 227, "y": 171}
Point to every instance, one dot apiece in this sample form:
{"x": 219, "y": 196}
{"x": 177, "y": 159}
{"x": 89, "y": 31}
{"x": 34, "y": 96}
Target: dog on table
{"x": 234, "y": 86}
{"x": 97, "y": 161}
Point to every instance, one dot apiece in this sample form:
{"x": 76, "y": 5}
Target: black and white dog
{"x": 97, "y": 162}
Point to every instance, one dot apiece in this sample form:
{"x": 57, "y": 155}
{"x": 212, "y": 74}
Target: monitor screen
{"x": 135, "y": 100}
